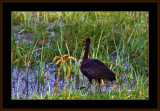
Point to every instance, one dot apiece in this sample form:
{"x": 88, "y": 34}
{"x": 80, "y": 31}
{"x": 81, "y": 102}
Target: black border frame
{"x": 151, "y": 103}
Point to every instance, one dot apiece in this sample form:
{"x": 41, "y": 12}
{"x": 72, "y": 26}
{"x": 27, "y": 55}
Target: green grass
{"x": 123, "y": 35}
{"x": 119, "y": 94}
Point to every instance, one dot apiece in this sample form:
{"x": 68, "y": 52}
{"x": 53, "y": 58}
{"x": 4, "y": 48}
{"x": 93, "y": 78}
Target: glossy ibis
{"x": 95, "y": 69}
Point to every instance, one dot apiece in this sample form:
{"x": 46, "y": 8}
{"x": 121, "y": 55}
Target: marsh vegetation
{"x": 119, "y": 40}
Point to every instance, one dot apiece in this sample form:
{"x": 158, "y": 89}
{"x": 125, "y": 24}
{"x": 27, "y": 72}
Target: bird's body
{"x": 95, "y": 69}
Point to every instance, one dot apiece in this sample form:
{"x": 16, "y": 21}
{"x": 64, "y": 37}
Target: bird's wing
{"x": 95, "y": 63}
{"x": 98, "y": 68}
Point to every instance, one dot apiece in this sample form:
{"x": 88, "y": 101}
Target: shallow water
{"x": 38, "y": 85}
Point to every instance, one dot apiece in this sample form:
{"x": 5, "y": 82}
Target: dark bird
{"x": 95, "y": 69}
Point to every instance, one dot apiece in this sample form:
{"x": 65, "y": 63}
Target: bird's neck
{"x": 86, "y": 52}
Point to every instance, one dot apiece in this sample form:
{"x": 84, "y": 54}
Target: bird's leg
{"x": 90, "y": 81}
{"x": 99, "y": 80}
